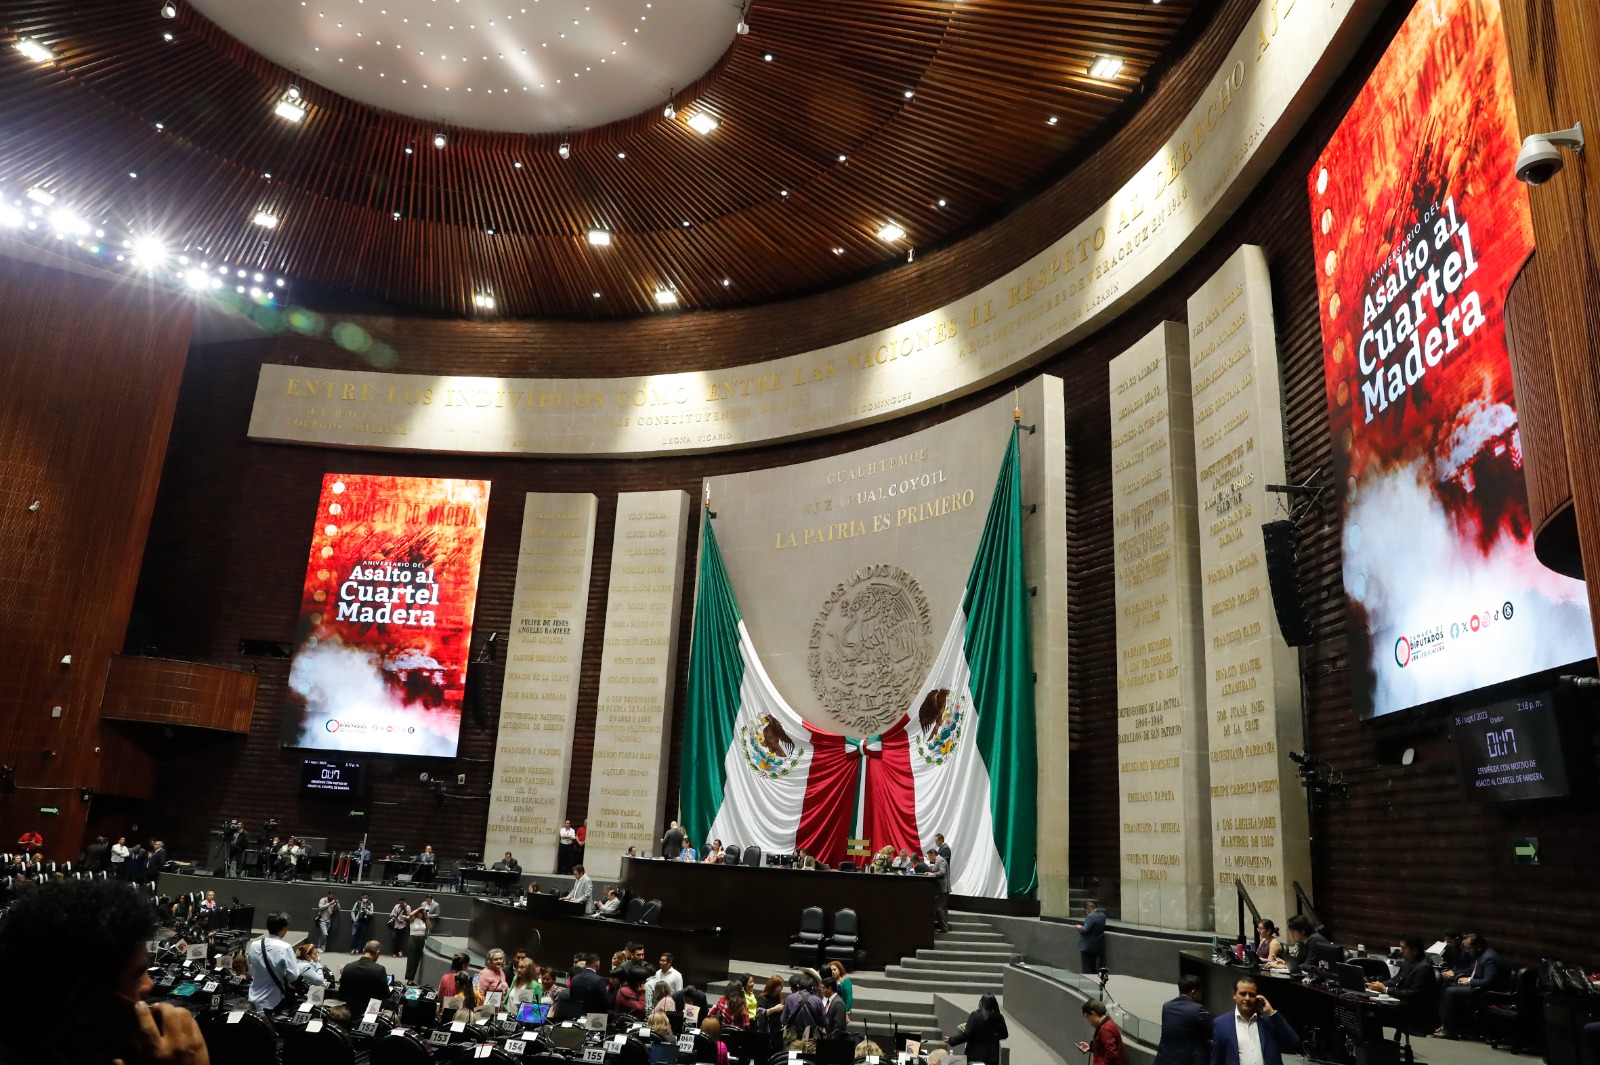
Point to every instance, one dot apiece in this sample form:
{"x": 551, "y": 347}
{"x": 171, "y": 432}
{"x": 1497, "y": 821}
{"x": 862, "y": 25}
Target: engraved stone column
{"x": 538, "y": 700}
{"x": 627, "y": 787}
{"x": 1252, "y": 677}
{"x": 1162, "y": 745}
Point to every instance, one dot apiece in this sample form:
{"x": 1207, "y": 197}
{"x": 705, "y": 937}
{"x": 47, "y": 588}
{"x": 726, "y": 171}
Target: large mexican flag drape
{"x": 962, "y": 761}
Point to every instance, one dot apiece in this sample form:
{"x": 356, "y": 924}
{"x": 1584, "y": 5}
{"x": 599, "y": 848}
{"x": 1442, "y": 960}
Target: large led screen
{"x": 380, "y": 657}
{"x": 1419, "y": 227}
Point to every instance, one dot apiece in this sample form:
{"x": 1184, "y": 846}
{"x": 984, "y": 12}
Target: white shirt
{"x": 569, "y": 835}
{"x": 1248, "y": 1035}
{"x": 672, "y": 977}
{"x": 119, "y": 853}
{"x": 266, "y": 956}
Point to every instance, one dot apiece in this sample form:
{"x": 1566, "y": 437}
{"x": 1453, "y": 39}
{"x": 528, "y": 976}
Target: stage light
{"x": 289, "y": 106}
{"x": 35, "y": 51}
{"x": 666, "y": 297}
{"x": 68, "y": 224}
{"x": 565, "y": 151}
{"x": 1054, "y": 120}
{"x": 483, "y": 301}
{"x": 438, "y": 140}
{"x": 843, "y": 157}
{"x": 703, "y": 123}
{"x": 741, "y": 27}
{"x": 910, "y": 93}
{"x": 10, "y": 216}
{"x": 149, "y": 252}
{"x": 669, "y": 112}
{"x": 600, "y": 238}
{"x": 265, "y": 219}
{"x": 39, "y": 196}
{"x": 891, "y": 231}
{"x": 197, "y": 279}
{"x": 1105, "y": 67}
{"x": 169, "y": 10}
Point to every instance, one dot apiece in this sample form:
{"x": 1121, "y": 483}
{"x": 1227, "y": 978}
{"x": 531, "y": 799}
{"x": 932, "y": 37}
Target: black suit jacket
{"x": 1185, "y": 1033}
{"x": 1489, "y": 972}
{"x": 1416, "y": 985}
{"x": 361, "y": 980}
{"x": 589, "y": 991}
{"x": 835, "y": 1022}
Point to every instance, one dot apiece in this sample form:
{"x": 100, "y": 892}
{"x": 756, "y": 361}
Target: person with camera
{"x": 86, "y": 940}
{"x": 274, "y": 968}
{"x": 360, "y": 920}
{"x": 327, "y": 913}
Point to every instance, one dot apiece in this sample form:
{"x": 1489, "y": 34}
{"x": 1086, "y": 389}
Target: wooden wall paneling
{"x": 127, "y": 761}
{"x": 164, "y": 691}
{"x": 90, "y": 368}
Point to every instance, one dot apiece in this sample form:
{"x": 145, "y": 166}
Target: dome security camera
{"x": 1540, "y": 158}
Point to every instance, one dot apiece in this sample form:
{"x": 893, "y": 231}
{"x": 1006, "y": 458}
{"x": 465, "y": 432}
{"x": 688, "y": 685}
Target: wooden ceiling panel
{"x": 428, "y": 228}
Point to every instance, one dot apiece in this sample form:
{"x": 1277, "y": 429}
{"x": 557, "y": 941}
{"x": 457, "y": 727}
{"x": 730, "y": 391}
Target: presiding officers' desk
{"x": 1334, "y": 1026}
{"x": 554, "y": 933}
{"x": 759, "y": 907}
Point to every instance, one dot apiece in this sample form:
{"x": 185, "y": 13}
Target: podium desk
{"x": 554, "y": 935}
{"x": 759, "y": 907}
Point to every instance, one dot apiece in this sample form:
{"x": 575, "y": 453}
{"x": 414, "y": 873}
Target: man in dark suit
{"x": 1185, "y": 1027}
{"x": 587, "y": 988}
{"x": 1304, "y": 939}
{"x": 364, "y": 979}
{"x": 834, "y": 1019}
{"x": 672, "y": 842}
{"x": 1460, "y": 1000}
{"x": 1263, "y": 1034}
{"x": 1416, "y": 985}
{"x": 1092, "y": 938}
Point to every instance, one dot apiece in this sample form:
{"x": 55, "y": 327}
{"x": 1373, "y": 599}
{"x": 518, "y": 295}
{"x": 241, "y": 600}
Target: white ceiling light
{"x": 11, "y": 217}
{"x": 669, "y": 112}
{"x": 197, "y": 279}
{"x": 600, "y": 238}
{"x": 67, "y": 224}
{"x": 1054, "y": 120}
{"x": 565, "y": 151}
{"x": 35, "y": 51}
{"x": 169, "y": 10}
{"x": 289, "y": 106}
{"x": 438, "y": 140}
{"x": 1105, "y": 67}
{"x": 39, "y": 196}
{"x": 149, "y": 252}
{"x": 891, "y": 231}
{"x": 910, "y": 93}
{"x": 666, "y": 297}
{"x": 484, "y": 301}
{"x": 265, "y": 219}
{"x": 703, "y": 123}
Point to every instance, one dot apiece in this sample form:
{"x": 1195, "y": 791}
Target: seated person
{"x": 688, "y": 854}
{"x": 507, "y": 864}
{"x": 1303, "y": 939}
{"x": 713, "y": 853}
{"x": 1269, "y": 947}
{"x": 1416, "y": 985}
{"x": 309, "y": 955}
{"x": 1459, "y": 1003}
{"x": 612, "y": 907}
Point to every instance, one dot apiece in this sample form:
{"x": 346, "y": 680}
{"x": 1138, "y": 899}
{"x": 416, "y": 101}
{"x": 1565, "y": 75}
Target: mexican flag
{"x": 962, "y": 762}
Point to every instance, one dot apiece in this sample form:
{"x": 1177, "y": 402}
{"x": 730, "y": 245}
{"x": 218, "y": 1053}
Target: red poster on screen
{"x": 1420, "y": 226}
{"x": 380, "y": 662}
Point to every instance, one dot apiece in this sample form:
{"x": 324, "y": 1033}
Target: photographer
{"x": 274, "y": 969}
{"x": 86, "y": 941}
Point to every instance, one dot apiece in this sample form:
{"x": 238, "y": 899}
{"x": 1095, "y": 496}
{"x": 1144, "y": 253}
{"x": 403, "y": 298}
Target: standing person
{"x": 94, "y": 856}
{"x": 119, "y": 857}
{"x": 939, "y": 869}
{"x": 157, "y": 860}
{"x": 983, "y": 1031}
{"x": 274, "y": 967}
{"x": 364, "y": 979}
{"x": 567, "y": 848}
{"x": 665, "y": 972}
{"x": 492, "y": 977}
{"x": 417, "y": 924}
{"x": 730, "y": 1009}
{"x": 1254, "y": 1033}
{"x": 847, "y": 989}
{"x": 672, "y": 842}
{"x": 1092, "y": 938}
{"x": 360, "y": 920}
{"x": 1185, "y": 1026}
{"x": 942, "y": 846}
{"x": 327, "y": 911}
{"x": 582, "y": 890}
{"x": 399, "y": 921}
{"x": 1105, "y": 1046}
{"x": 834, "y": 1021}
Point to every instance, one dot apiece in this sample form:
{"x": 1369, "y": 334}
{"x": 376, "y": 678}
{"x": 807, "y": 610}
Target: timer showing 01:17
{"x": 1500, "y": 744}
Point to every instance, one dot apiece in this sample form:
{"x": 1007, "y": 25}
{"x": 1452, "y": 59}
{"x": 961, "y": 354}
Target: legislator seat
{"x": 1372, "y": 968}
{"x": 806, "y": 946}
{"x": 1513, "y": 1018}
{"x": 847, "y": 866}
{"x": 247, "y": 1039}
{"x": 329, "y": 1045}
{"x": 400, "y": 1048}
{"x": 633, "y": 913}
{"x": 752, "y": 855}
{"x": 845, "y": 942}
{"x": 652, "y": 912}
{"x": 731, "y": 855}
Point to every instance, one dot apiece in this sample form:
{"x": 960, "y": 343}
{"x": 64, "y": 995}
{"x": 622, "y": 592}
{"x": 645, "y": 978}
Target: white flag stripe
{"x": 759, "y": 809}
{"x": 953, "y": 797}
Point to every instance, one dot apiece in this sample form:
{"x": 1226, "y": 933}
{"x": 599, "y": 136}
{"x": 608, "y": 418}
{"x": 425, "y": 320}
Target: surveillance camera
{"x": 1540, "y": 158}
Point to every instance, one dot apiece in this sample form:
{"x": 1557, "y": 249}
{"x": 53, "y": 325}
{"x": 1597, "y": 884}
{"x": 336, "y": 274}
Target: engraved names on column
{"x": 538, "y": 700}
{"x": 627, "y": 786}
{"x": 1252, "y": 677}
{"x": 1161, "y": 728}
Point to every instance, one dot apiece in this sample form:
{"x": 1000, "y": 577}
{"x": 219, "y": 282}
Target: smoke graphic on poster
{"x": 385, "y": 628}
{"x": 1420, "y": 226}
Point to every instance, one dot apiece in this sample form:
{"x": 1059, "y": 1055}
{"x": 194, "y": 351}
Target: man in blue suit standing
{"x": 1254, "y": 1033}
{"x": 1185, "y": 1027}
{"x": 1459, "y": 1001}
{"x": 1092, "y": 938}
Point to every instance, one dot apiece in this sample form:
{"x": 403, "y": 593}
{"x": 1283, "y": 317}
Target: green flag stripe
{"x": 715, "y": 672}
{"x": 999, "y": 646}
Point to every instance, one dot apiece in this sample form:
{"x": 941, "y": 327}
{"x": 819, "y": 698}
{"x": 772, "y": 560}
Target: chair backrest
{"x": 846, "y": 924}
{"x": 1525, "y": 985}
{"x": 811, "y": 920}
{"x": 731, "y": 855}
{"x": 752, "y": 855}
{"x": 847, "y": 866}
{"x": 250, "y": 1040}
{"x": 399, "y": 1048}
{"x": 327, "y": 1046}
{"x": 634, "y": 911}
{"x": 652, "y": 912}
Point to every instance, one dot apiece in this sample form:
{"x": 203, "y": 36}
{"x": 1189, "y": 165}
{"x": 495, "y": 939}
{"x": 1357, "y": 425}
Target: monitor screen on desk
{"x": 563, "y": 1038}
{"x": 534, "y": 1013}
{"x": 1351, "y": 977}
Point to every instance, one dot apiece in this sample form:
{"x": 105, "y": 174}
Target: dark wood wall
{"x": 228, "y": 545}
{"x": 89, "y": 372}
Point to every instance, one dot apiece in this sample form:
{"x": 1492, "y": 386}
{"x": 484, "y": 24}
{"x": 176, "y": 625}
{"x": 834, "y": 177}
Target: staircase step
{"x": 882, "y": 1023}
{"x": 957, "y": 954}
{"x": 967, "y": 936}
{"x": 978, "y": 963}
{"x": 977, "y": 924}
{"x": 950, "y": 984}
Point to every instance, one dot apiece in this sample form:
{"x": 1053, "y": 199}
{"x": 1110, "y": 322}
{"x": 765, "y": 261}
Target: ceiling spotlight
{"x": 767, "y": 57}
{"x": 1054, "y": 120}
{"x": 622, "y": 155}
{"x": 484, "y": 301}
{"x": 1105, "y": 67}
{"x": 669, "y": 112}
{"x": 438, "y": 140}
{"x": 11, "y": 217}
{"x": 941, "y": 202}
{"x": 197, "y": 279}
{"x": 149, "y": 252}
{"x": 843, "y": 157}
{"x": 891, "y": 232}
{"x": 726, "y": 282}
{"x": 34, "y": 50}
{"x": 666, "y": 297}
{"x": 703, "y": 123}
{"x": 838, "y": 251}
{"x": 600, "y": 238}
{"x": 169, "y": 10}
{"x": 67, "y": 224}
{"x": 597, "y": 295}
{"x": 265, "y": 219}
{"x": 565, "y": 151}
{"x": 741, "y": 27}
{"x": 910, "y": 93}
{"x": 289, "y": 106}
{"x": 40, "y": 196}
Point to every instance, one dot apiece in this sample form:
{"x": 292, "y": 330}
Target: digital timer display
{"x": 1510, "y": 750}
{"x": 333, "y": 778}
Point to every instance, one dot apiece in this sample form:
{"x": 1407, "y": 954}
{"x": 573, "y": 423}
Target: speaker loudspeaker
{"x": 1283, "y": 578}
